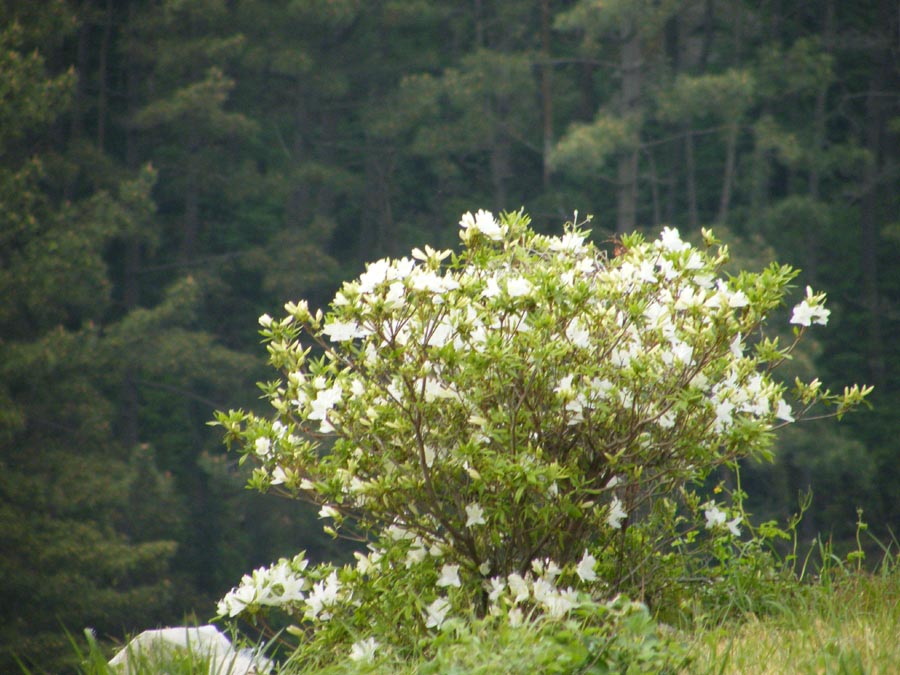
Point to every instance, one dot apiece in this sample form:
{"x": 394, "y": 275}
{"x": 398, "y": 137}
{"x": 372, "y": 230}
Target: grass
{"x": 847, "y": 626}
{"x": 846, "y": 623}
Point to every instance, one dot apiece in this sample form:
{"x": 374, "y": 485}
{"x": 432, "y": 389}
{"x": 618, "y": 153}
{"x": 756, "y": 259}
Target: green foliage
{"x": 522, "y": 416}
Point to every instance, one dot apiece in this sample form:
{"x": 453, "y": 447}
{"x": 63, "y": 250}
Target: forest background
{"x": 172, "y": 169}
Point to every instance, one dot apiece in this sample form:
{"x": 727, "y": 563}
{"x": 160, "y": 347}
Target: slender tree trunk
{"x": 811, "y": 230}
{"x": 546, "y": 91}
{"x": 728, "y": 177}
{"x": 191, "y": 222}
{"x": 133, "y": 254}
{"x": 874, "y": 122}
{"x": 654, "y": 189}
{"x": 626, "y": 215}
{"x": 102, "y": 67}
{"x": 690, "y": 177}
{"x": 76, "y": 122}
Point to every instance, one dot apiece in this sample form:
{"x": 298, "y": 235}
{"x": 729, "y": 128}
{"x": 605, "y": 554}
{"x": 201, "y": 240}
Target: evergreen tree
{"x": 74, "y": 554}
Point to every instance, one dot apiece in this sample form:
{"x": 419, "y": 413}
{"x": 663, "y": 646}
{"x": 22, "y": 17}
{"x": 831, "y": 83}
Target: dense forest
{"x": 172, "y": 169}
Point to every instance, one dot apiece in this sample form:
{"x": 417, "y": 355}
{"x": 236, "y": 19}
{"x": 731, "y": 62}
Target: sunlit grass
{"x": 847, "y": 626}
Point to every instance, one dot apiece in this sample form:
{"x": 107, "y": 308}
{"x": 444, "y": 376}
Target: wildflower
{"x": 449, "y": 576}
{"x": 262, "y": 446}
{"x": 328, "y": 512}
{"x": 519, "y": 586}
{"x": 585, "y": 569}
{"x": 616, "y": 514}
{"x": 518, "y": 286}
{"x": 714, "y": 516}
{"x": 783, "y": 412}
{"x": 364, "y": 650}
{"x": 436, "y": 613}
{"x": 341, "y": 331}
{"x": 324, "y": 594}
{"x": 474, "y": 515}
{"x": 809, "y": 312}
{"x": 483, "y": 222}
{"x": 670, "y": 239}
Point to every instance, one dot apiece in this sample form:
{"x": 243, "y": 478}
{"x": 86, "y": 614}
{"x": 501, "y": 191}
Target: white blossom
{"x": 449, "y": 576}
{"x": 616, "y": 514}
{"x": 518, "y": 287}
{"x": 474, "y": 515}
{"x": 810, "y": 311}
{"x": 714, "y": 516}
{"x": 364, "y": 650}
{"x": 483, "y": 221}
{"x": 436, "y": 613}
{"x": 585, "y": 569}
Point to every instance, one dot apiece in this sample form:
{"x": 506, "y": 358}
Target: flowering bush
{"x": 516, "y": 428}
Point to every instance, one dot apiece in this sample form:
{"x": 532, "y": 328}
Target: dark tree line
{"x": 172, "y": 169}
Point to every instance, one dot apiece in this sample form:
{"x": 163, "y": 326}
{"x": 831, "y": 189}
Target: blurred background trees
{"x": 172, "y": 169}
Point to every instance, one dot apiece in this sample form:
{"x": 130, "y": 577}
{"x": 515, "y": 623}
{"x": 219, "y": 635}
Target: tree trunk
{"x": 690, "y": 177}
{"x": 626, "y": 215}
{"x": 811, "y": 229}
{"x": 546, "y": 91}
{"x": 133, "y": 254}
{"x": 728, "y": 177}
{"x": 874, "y": 122}
{"x": 102, "y": 66}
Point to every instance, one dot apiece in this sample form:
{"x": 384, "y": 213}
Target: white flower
{"x": 262, "y": 445}
{"x": 265, "y": 321}
{"x": 365, "y": 563}
{"x": 416, "y": 554}
{"x": 328, "y": 512}
{"x": 278, "y": 476}
{"x": 341, "y": 331}
{"x": 783, "y": 412}
{"x": 738, "y": 299}
{"x": 518, "y": 286}
{"x": 496, "y": 588}
{"x": 237, "y": 600}
{"x": 449, "y": 576}
{"x": 564, "y": 388}
{"x": 428, "y": 452}
{"x": 325, "y": 401}
{"x": 542, "y": 590}
{"x": 364, "y": 650}
{"x": 578, "y": 335}
{"x": 732, "y": 526}
{"x": 324, "y": 594}
{"x": 516, "y": 617}
{"x": 569, "y": 242}
{"x": 376, "y": 272}
{"x": 585, "y": 569}
{"x": 483, "y": 222}
{"x": 492, "y": 289}
{"x": 714, "y": 516}
{"x": 519, "y": 586}
{"x": 561, "y": 603}
{"x": 724, "y": 411}
{"x": 437, "y": 613}
{"x": 474, "y": 515}
{"x": 670, "y": 240}
{"x": 805, "y": 313}
{"x": 616, "y": 514}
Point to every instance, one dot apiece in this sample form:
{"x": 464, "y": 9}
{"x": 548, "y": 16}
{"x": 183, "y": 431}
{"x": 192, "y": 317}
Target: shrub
{"x": 515, "y": 430}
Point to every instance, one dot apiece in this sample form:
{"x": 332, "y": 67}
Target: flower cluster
{"x": 515, "y": 402}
